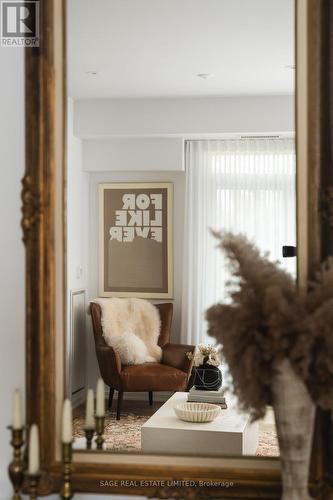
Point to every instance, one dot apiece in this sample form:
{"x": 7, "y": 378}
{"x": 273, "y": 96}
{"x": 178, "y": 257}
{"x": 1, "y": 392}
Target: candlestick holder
{"x": 33, "y": 481}
{"x": 99, "y": 431}
{"x": 16, "y": 467}
{"x": 66, "y": 491}
{"x": 89, "y": 432}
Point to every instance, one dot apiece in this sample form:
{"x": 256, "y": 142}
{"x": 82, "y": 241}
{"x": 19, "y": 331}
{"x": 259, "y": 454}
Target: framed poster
{"x": 135, "y": 240}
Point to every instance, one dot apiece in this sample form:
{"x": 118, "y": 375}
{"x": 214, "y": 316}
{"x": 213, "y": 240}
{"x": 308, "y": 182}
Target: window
{"x": 243, "y": 186}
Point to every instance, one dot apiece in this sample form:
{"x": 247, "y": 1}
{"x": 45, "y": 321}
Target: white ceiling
{"x": 156, "y": 48}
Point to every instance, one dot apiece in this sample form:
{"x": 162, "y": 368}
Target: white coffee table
{"x": 229, "y": 434}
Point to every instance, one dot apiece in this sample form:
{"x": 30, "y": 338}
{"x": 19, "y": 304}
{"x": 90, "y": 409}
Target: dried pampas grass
{"x": 261, "y": 325}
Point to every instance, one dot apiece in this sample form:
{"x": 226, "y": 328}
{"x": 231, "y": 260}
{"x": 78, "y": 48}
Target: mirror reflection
{"x": 180, "y": 121}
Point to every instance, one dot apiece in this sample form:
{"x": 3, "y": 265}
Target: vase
{"x": 294, "y": 417}
{"x": 207, "y": 377}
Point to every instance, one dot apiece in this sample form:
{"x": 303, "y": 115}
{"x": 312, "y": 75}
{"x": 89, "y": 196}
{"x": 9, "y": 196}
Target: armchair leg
{"x": 150, "y": 398}
{"x": 119, "y": 403}
{"x": 110, "y": 398}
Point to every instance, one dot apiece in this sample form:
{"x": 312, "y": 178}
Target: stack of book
{"x": 214, "y": 397}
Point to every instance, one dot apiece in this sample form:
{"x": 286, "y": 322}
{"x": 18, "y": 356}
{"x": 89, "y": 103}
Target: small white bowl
{"x": 197, "y": 412}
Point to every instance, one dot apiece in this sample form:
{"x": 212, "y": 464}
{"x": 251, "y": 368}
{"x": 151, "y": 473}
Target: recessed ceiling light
{"x": 205, "y": 76}
{"x": 290, "y": 66}
{"x": 92, "y": 72}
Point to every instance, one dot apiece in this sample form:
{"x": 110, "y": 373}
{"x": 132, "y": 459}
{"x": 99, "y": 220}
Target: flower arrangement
{"x": 268, "y": 320}
{"x": 204, "y": 354}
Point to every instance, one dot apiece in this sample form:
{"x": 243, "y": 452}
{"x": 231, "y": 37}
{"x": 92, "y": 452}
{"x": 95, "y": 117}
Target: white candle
{"x": 90, "y": 418}
{"x": 100, "y": 399}
{"x": 67, "y": 422}
{"x": 33, "y": 466}
{"x": 17, "y": 410}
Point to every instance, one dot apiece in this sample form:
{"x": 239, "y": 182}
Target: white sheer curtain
{"x": 246, "y": 186}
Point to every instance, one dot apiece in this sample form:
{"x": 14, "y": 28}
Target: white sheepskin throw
{"x": 132, "y": 327}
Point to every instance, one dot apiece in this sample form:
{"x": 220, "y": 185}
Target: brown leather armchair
{"x": 171, "y": 374}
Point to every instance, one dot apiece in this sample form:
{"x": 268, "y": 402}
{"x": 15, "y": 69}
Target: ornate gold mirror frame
{"x": 43, "y": 230}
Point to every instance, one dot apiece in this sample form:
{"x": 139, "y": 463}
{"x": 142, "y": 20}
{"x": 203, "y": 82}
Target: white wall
{"x": 133, "y": 154}
{"x": 77, "y": 245}
{"x": 97, "y": 118}
{"x": 148, "y": 134}
{"x": 11, "y": 247}
{"x": 77, "y": 209}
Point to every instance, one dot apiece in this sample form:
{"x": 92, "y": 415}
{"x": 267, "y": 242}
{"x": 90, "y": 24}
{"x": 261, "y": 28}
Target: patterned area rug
{"x": 268, "y": 444}
{"x": 125, "y": 434}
